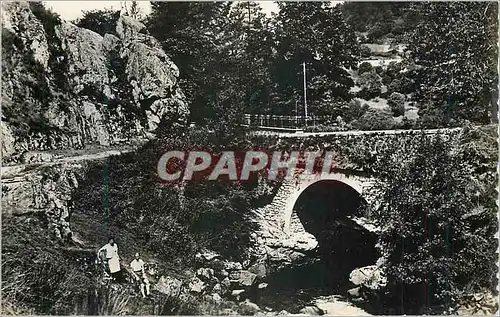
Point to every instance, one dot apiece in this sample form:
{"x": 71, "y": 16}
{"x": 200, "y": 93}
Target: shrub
{"x": 396, "y": 102}
{"x": 365, "y": 52}
{"x": 100, "y": 21}
{"x": 375, "y": 119}
{"x": 355, "y": 110}
{"x": 371, "y": 85}
{"x": 396, "y": 85}
{"x": 365, "y": 67}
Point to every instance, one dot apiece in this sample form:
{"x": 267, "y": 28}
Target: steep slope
{"x": 68, "y": 87}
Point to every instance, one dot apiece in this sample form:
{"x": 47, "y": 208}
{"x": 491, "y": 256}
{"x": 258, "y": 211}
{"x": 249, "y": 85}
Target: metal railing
{"x": 285, "y": 122}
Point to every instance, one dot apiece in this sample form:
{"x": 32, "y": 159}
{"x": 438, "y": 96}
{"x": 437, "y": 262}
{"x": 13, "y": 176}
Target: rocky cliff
{"x": 68, "y": 87}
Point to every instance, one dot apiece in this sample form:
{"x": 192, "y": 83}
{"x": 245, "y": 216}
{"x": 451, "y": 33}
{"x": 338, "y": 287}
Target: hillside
{"x": 402, "y": 222}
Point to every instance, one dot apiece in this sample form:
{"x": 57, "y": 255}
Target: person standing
{"x": 139, "y": 273}
{"x": 110, "y": 251}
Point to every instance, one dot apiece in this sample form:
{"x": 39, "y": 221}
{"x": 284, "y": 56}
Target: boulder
{"x": 237, "y": 293}
{"x": 196, "y": 285}
{"x": 216, "y": 298}
{"x": 371, "y": 277}
{"x": 311, "y": 311}
{"x": 354, "y": 292}
{"x": 248, "y": 308}
{"x": 217, "y": 289}
{"x": 258, "y": 269}
{"x": 243, "y": 278}
{"x": 205, "y": 274}
{"x": 225, "y": 285}
{"x": 168, "y": 285}
{"x": 86, "y": 59}
{"x": 232, "y": 266}
{"x": 206, "y": 256}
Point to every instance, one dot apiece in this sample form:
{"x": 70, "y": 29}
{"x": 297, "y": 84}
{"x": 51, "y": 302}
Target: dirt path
{"x": 9, "y": 172}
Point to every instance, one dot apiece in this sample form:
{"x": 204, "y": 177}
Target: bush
{"x": 365, "y": 52}
{"x": 99, "y": 21}
{"x": 365, "y": 67}
{"x": 355, "y": 110}
{"x": 371, "y": 85}
{"x": 396, "y": 102}
{"x": 375, "y": 119}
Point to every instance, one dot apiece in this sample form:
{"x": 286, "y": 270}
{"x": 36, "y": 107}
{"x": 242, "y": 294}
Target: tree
{"x": 365, "y": 67}
{"x": 314, "y": 33}
{"x": 99, "y": 21}
{"x": 396, "y": 102}
{"x": 438, "y": 225}
{"x": 133, "y": 10}
{"x": 355, "y": 110}
{"x": 371, "y": 85}
{"x": 375, "y": 119}
{"x": 455, "y": 45}
{"x": 223, "y": 52}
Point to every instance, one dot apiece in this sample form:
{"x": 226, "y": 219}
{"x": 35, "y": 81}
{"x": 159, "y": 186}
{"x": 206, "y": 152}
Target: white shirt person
{"x": 111, "y": 250}
{"x": 139, "y": 272}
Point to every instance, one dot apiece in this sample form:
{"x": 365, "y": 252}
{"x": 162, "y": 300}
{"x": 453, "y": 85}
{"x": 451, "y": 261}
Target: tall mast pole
{"x": 305, "y": 92}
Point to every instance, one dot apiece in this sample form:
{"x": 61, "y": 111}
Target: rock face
{"x": 46, "y": 193}
{"x": 67, "y": 87}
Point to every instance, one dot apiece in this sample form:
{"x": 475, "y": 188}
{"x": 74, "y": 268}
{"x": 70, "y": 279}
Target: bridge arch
{"x": 352, "y": 181}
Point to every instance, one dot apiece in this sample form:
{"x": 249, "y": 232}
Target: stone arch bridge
{"x": 282, "y": 223}
{"x": 307, "y": 215}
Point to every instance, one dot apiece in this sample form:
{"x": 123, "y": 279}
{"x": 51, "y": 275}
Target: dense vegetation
{"x": 439, "y": 220}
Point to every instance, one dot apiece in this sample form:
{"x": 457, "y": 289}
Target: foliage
{"x": 99, "y": 21}
{"x": 234, "y": 59}
{"x": 371, "y": 85}
{"x": 438, "y": 223}
{"x": 133, "y": 10}
{"x": 314, "y": 33}
{"x": 355, "y": 110}
{"x": 111, "y": 301}
{"x": 374, "y": 119}
{"x": 396, "y": 102}
{"x": 455, "y": 47}
{"x": 365, "y": 67}
{"x": 381, "y": 20}
{"x": 31, "y": 267}
{"x": 364, "y": 51}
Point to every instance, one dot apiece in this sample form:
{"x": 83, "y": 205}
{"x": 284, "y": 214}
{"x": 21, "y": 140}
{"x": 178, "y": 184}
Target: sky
{"x": 71, "y": 10}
